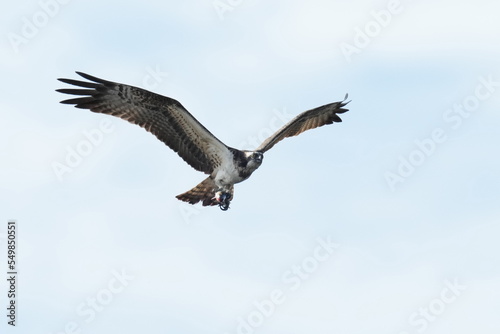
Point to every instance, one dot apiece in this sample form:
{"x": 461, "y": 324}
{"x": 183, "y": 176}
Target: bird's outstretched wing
{"x": 164, "y": 117}
{"x": 310, "y": 119}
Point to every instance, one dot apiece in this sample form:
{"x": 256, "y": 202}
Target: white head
{"x": 254, "y": 159}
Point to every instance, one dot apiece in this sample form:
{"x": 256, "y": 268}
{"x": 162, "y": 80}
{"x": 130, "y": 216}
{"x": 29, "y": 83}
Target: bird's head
{"x": 254, "y": 159}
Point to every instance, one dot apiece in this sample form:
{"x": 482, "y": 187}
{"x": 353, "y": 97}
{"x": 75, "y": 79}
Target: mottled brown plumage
{"x": 307, "y": 120}
{"x": 164, "y": 117}
{"x": 205, "y": 192}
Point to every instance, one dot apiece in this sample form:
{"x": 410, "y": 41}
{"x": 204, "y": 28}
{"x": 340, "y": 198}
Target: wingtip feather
{"x": 92, "y": 78}
{"x": 345, "y": 99}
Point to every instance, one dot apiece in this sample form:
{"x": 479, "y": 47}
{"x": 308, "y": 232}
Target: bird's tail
{"x": 205, "y": 192}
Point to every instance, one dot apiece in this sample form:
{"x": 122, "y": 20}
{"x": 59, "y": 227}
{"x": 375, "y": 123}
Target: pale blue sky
{"x": 416, "y": 255}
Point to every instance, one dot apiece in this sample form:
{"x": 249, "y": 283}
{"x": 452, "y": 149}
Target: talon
{"x": 223, "y": 199}
{"x": 224, "y": 206}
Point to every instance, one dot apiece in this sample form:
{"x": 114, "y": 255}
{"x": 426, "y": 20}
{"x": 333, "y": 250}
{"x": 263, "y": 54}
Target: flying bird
{"x": 171, "y": 123}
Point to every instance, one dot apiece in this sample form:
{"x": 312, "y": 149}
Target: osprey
{"x": 171, "y": 123}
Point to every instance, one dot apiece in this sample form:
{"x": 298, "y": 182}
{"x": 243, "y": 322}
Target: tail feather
{"x": 205, "y": 192}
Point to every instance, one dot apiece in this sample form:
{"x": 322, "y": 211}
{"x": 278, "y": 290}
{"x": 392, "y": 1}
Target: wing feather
{"x": 307, "y": 120}
{"x": 164, "y": 117}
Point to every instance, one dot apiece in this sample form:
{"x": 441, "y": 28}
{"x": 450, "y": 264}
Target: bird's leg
{"x": 223, "y": 198}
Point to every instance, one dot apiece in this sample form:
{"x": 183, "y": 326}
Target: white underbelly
{"x": 226, "y": 176}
